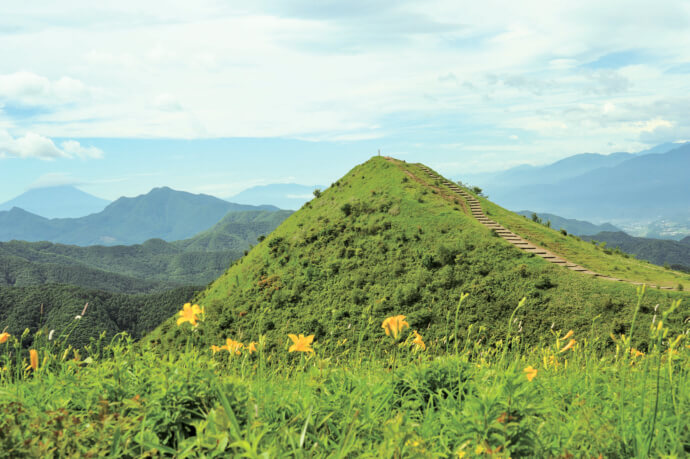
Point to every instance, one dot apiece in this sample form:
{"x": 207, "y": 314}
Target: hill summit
{"x": 388, "y": 238}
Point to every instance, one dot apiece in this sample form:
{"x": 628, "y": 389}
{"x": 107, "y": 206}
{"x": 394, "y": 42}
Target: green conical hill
{"x": 387, "y": 239}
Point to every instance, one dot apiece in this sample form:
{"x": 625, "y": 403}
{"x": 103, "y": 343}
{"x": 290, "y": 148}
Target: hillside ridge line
{"x": 517, "y": 241}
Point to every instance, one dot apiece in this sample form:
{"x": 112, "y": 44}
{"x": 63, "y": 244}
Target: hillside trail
{"x": 512, "y": 238}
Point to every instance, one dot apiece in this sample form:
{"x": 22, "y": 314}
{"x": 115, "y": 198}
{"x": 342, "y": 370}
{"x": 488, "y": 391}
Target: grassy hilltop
{"x": 387, "y": 239}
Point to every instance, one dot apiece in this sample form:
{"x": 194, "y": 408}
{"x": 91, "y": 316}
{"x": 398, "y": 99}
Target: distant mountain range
{"x": 153, "y": 266}
{"x": 162, "y": 213}
{"x": 284, "y": 195}
{"x": 652, "y": 184}
{"x": 57, "y": 202}
{"x": 572, "y": 226}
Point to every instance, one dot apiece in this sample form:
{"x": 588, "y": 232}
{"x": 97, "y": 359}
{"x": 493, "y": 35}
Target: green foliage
{"x": 54, "y": 307}
{"x": 487, "y": 398}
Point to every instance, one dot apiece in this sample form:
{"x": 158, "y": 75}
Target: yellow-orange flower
{"x": 418, "y": 341}
{"x": 301, "y": 343}
{"x": 568, "y": 335}
{"x": 570, "y": 344}
{"x": 233, "y": 347}
{"x": 215, "y": 348}
{"x": 634, "y": 353}
{"x": 4, "y": 336}
{"x": 252, "y": 347}
{"x": 395, "y": 325}
{"x": 190, "y": 313}
{"x": 530, "y": 372}
{"x": 33, "y": 358}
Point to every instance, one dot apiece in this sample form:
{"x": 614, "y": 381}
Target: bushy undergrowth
{"x": 399, "y": 397}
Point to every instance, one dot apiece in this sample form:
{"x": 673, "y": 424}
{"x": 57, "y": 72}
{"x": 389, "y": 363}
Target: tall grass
{"x": 483, "y": 399}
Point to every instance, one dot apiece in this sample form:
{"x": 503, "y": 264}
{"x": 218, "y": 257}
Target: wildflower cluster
{"x": 235, "y": 347}
{"x": 395, "y": 325}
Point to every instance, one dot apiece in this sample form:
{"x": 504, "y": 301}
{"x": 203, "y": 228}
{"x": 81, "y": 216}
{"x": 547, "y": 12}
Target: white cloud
{"x": 74, "y": 148}
{"x": 54, "y": 179}
{"x": 26, "y": 88}
{"x": 167, "y": 102}
{"x": 32, "y": 145}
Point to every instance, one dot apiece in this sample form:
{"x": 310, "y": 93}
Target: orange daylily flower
{"x": 33, "y": 357}
{"x": 4, "y": 336}
{"x": 190, "y": 313}
{"x": 233, "y": 346}
{"x": 215, "y": 348}
{"x": 395, "y": 325}
{"x": 635, "y": 353}
{"x": 301, "y": 343}
{"x": 252, "y": 347}
{"x": 530, "y": 373}
{"x": 568, "y": 335}
{"x": 570, "y": 344}
{"x": 418, "y": 341}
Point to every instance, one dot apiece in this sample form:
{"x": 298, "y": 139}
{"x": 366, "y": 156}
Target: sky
{"x": 215, "y": 96}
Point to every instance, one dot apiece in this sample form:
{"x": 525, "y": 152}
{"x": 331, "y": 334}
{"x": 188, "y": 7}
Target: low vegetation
{"x": 402, "y": 395}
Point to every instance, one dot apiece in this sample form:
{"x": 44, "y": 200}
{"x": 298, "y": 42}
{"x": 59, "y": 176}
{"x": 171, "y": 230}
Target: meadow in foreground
{"x": 403, "y": 397}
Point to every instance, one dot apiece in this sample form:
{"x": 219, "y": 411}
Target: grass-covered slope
{"x": 599, "y": 259}
{"x": 383, "y": 240}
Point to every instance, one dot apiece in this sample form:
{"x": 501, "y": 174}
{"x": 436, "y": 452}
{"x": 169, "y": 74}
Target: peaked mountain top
{"x": 57, "y": 202}
{"x": 162, "y": 213}
{"x": 388, "y": 239}
{"x": 284, "y": 195}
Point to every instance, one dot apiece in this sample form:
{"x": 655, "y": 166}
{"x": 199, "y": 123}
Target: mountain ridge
{"x": 162, "y": 213}
{"x": 62, "y": 201}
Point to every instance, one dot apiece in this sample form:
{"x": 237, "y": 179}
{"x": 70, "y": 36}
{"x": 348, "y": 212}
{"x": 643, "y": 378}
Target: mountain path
{"x": 515, "y": 240}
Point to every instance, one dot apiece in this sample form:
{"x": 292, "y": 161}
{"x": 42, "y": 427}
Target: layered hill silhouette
{"x": 128, "y": 288}
{"x": 391, "y": 238}
{"x": 153, "y": 266}
{"x": 571, "y": 225}
{"x": 162, "y": 213}
{"x": 674, "y": 254}
{"x": 622, "y": 185}
{"x": 57, "y": 202}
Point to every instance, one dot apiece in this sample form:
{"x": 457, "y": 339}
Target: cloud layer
{"x": 527, "y": 81}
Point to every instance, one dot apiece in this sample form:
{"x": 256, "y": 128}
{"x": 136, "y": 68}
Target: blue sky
{"x": 214, "y": 96}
